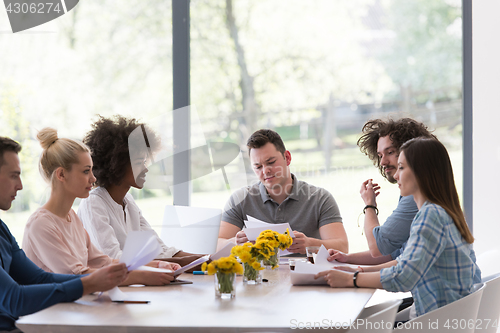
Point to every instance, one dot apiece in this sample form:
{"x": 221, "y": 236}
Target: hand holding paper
{"x": 140, "y": 248}
{"x": 254, "y": 227}
{"x": 304, "y": 272}
{"x": 322, "y": 259}
{"x": 168, "y": 265}
{"x": 338, "y": 255}
{"x": 241, "y": 237}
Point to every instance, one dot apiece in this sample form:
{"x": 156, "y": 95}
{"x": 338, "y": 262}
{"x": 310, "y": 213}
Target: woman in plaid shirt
{"x": 438, "y": 264}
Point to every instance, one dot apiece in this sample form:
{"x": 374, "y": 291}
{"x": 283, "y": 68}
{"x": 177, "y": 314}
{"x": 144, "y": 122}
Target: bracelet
{"x": 361, "y": 269}
{"x": 370, "y": 206}
{"x": 354, "y": 278}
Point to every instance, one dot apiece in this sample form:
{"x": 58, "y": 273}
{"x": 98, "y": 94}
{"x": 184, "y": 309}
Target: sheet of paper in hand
{"x": 259, "y": 226}
{"x": 255, "y": 226}
{"x": 304, "y": 272}
{"x": 140, "y": 248}
{"x": 321, "y": 259}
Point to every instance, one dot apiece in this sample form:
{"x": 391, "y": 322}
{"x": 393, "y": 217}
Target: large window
{"x": 102, "y": 57}
{"x": 314, "y": 71}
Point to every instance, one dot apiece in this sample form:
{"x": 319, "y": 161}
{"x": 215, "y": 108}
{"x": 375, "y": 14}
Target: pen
{"x": 132, "y": 302}
{"x": 199, "y": 273}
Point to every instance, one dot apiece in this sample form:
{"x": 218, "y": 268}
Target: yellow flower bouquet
{"x": 251, "y": 256}
{"x": 224, "y": 270}
{"x": 265, "y": 250}
{"x": 276, "y": 242}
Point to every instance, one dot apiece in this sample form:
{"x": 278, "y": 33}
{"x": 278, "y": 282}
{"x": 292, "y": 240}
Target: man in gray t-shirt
{"x": 280, "y": 197}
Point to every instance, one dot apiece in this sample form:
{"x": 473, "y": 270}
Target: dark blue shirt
{"x": 24, "y": 287}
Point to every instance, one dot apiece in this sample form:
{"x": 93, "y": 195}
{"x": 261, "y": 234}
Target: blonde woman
{"x": 54, "y": 237}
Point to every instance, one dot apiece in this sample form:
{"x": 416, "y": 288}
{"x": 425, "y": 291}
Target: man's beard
{"x": 390, "y": 178}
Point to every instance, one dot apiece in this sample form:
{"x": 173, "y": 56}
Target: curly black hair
{"x": 108, "y": 141}
{"x": 399, "y": 131}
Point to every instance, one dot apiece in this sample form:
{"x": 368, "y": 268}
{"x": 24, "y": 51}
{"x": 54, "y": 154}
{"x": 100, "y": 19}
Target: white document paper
{"x": 254, "y": 223}
{"x": 154, "y": 269}
{"x": 224, "y": 252}
{"x": 304, "y": 272}
{"x": 192, "y": 264}
{"x": 321, "y": 259}
{"x": 117, "y": 295}
{"x": 140, "y": 248}
{"x": 255, "y": 226}
{"x": 253, "y": 233}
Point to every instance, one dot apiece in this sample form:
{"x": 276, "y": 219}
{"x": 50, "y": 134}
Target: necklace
{"x": 68, "y": 218}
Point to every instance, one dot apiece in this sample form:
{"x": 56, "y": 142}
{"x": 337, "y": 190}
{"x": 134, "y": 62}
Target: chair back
{"x": 378, "y": 318}
{"x": 489, "y": 308}
{"x": 489, "y": 262}
{"x": 459, "y": 316}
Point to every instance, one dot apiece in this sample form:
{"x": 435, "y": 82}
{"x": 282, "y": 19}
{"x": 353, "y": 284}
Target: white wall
{"x": 486, "y": 133}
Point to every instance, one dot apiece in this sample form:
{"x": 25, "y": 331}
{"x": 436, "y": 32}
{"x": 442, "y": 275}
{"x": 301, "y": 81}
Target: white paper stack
{"x": 255, "y": 226}
{"x": 140, "y": 248}
{"x": 304, "y": 271}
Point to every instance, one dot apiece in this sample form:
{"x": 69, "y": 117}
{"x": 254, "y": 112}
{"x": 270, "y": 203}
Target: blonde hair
{"x": 57, "y": 152}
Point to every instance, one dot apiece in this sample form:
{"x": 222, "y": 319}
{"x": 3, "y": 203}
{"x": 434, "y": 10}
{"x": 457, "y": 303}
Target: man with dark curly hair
{"x": 110, "y": 212}
{"x": 381, "y": 141}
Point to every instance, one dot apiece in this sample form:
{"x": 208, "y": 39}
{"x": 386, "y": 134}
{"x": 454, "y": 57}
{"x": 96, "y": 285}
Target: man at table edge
{"x": 280, "y": 197}
{"x": 381, "y": 141}
{"x": 24, "y": 287}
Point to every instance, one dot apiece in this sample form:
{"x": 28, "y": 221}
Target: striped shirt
{"x": 438, "y": 266}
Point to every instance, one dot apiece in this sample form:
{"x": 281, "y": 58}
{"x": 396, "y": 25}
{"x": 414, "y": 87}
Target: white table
{"x": 275, "y": 306}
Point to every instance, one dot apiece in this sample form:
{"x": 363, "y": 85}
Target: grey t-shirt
{"x": 306, "y": 209}
{"x": 391, "y": 236}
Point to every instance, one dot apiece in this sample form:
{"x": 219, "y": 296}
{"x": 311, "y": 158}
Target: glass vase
{"x": 251, "y": 275}
{"x": 273, "y": 261}
{"x": 225, "y": 285}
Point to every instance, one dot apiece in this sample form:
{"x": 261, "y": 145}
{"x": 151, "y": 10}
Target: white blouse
{"x": 108, "y": 223}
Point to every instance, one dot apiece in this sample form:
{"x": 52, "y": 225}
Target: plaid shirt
{"x": 438, "y": 266}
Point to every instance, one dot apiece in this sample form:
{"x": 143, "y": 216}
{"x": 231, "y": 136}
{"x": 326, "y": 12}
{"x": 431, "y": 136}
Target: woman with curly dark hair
{"x": 110, "y": 212}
